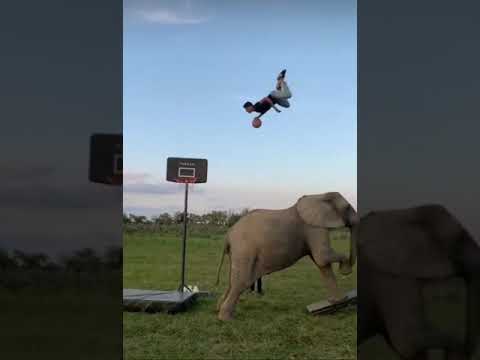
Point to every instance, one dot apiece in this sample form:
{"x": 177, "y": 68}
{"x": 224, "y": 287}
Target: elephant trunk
{"x": 352, "y": 222}
{"x": 353, "y": 245}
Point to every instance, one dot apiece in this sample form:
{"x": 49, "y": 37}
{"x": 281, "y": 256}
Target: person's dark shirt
{"x": 263, "y": 106}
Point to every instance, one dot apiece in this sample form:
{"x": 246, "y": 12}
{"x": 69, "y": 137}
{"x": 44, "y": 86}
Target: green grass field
{"x": 275, "y": 326}
{"x": 69, "y": 320}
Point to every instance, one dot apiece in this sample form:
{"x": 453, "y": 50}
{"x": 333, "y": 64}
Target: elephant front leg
{"x": 345, "y": 267}
{"x": 323, "y": 256}
{"x": 334, "y": 293}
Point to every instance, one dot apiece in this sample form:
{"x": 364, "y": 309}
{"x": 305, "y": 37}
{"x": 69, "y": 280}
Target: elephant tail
{"x": 226, "y": 250}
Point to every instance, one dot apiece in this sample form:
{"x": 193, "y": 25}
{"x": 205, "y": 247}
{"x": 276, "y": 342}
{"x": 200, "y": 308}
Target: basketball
{"x": 256, "y": 123}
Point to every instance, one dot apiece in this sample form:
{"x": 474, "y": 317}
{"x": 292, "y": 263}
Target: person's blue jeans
{"x": 259, "y": 286}
{"x": 282, "y": 95}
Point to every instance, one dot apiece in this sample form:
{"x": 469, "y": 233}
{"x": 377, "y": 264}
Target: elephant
{"x": 264, "y": 241}
{"x": 401, "y": 253}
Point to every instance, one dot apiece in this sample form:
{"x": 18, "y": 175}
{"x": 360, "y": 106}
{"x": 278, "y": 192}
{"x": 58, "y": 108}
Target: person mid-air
{"x": 279, "y": 96}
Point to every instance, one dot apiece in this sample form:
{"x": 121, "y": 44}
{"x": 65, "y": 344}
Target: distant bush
{"x": 213, "y": 224}
{"x": 197, "y": 230}
{"x": 340, "y": 234}
{"x": 85, "y": 259}
{"x": 83, "y": 268}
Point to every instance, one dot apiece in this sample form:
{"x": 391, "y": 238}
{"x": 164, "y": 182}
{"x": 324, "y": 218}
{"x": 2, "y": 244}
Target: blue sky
{"x": 188, "y": 68}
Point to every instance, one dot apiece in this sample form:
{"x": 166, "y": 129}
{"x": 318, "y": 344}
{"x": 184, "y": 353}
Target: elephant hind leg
{"x": 240, "y": 280}
{"x": 228, "y": 306}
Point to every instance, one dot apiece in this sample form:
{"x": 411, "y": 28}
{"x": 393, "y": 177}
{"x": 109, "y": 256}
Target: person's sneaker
{"x": 282, "y": 74}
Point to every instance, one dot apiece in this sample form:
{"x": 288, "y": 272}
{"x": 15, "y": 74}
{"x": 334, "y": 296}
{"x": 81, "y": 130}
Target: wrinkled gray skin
{"x": 265, "y": 241}
{"x": 398, "y": 252}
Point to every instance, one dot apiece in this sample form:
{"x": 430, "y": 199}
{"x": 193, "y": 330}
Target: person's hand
{"x": 278, "y": 111}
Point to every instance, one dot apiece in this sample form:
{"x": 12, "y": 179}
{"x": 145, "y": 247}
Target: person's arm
{"x": 261, "y": 113}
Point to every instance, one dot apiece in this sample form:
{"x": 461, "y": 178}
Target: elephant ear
{"x": 320, "y": 210}
{"x": 406, "y": 243}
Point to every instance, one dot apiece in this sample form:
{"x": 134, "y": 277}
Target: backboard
{"x": 106, "y": 159}
{"x": 187, "y": 170}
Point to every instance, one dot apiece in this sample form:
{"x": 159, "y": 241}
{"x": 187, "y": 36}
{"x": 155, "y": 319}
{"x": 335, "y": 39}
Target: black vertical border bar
{"x": 418, "y": 113}
{"x": 61, "y": 81}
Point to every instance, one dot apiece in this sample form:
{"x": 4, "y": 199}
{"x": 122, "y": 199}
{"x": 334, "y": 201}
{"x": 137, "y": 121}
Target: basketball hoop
{"x": 186, "y": 180}
{"x": 116, "y": 180}
{"x": 186, "y": 171}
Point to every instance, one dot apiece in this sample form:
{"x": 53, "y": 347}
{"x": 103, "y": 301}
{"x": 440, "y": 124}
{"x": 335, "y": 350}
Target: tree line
{"x": 84, "y": 260}
{"x": 221, "y": 219}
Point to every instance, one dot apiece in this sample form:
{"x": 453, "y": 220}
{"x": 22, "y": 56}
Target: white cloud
{"x": 132, "y": 177}
{"x": 144, "y": 194}
{"x": 205, "y": 198}
{"x": 170, "y": 17}
{"x": 202, "y": 201}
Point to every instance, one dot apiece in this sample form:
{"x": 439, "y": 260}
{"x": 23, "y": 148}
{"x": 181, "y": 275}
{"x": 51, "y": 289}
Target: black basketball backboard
{"x": 187, "y": 170}
{"x": 106, "y": 159}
